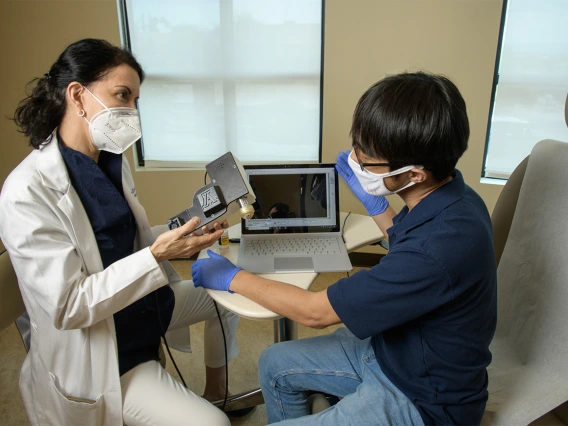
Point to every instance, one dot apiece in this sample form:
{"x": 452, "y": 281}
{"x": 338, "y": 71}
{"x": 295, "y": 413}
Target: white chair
{"x": 11, "y": 303}
{"x": 528, "y": 377}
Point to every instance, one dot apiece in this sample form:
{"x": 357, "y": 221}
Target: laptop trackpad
{"x": 293, "y": 264}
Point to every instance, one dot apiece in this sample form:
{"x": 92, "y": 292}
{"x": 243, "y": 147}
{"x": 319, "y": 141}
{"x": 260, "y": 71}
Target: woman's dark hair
{"x": 85, "y": 62}
{"x": 413, "y": 119}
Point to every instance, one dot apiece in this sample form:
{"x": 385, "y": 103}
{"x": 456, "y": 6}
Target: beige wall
{"x": 365, "y": 40}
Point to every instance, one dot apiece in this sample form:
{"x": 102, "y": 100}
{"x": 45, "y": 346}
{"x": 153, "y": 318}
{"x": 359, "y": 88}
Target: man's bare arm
{"x": 305, "y": 307}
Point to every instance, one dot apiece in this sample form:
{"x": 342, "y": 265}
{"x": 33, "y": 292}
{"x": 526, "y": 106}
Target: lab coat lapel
{"x": 54, "y": 175}
{"x": 144, "y": 235}
{"x": 71, "y": 206}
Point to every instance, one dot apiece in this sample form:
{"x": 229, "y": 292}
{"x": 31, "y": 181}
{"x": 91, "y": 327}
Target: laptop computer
{"x": 296, "y": 226}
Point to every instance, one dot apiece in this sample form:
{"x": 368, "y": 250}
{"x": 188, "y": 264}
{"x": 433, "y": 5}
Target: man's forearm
{"x": 305, "y": 307}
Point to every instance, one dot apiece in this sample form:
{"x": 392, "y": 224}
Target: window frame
{"x": 230, "y": 117}
{"x": 494, "y": 92}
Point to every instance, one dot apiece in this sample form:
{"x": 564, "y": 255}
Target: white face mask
{"x": 114, "y": 129}
{"x": 374, "y": 183}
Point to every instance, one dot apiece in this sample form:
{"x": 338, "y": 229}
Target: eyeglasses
{"x": 363, "y": 165}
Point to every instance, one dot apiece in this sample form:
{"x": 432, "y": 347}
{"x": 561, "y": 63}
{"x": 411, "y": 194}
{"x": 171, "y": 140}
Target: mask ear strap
{"x": 98, "y": 100}
{"x": 409, "y": 183}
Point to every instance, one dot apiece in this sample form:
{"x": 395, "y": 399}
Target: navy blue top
{"x": 99, "y": 187}
{"x": 430, "y": 305}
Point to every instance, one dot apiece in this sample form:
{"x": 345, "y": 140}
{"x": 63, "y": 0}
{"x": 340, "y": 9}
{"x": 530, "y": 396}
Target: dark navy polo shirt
{"x": 430, "y": 305}
{"x": 99, "y": 187}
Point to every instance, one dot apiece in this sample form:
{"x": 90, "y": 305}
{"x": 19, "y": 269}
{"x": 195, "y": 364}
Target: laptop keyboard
{"x": 276, "y": 246}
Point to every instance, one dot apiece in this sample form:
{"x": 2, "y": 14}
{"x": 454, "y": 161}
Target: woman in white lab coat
{"x": 88, "y": 263}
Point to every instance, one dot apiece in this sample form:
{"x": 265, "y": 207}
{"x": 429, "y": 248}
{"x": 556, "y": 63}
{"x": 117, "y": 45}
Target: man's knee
{"x": 273, "y": 360}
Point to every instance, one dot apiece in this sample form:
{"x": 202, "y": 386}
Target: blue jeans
{"x": 339, "y": 364}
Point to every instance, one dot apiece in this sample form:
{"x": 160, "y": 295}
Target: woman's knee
{"x": 216, "y": 417}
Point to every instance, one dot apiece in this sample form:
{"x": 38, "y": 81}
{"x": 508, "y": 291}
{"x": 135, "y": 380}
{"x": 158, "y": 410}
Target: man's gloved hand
{"x": 375, "y": 205}
{"x": 215, "y": 273}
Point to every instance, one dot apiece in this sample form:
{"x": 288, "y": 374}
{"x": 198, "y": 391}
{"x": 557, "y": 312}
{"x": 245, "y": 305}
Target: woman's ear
{"x": 73, "y": 93}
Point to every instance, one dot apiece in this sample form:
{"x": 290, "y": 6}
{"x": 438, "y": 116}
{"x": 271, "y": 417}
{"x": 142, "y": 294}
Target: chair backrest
{"x": 11, "y": 303}
{"x": 529, "y": 375}
{"x": 504, "y": 210}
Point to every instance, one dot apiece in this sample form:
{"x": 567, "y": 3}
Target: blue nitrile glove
{"x": 374, "y": 204}
{"x": 215, "y": 273}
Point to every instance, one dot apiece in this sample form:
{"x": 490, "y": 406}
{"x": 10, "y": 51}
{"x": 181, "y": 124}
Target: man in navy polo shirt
{"x": 418, "y": 325}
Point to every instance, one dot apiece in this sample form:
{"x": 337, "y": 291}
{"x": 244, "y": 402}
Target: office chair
{"x": 11, "y": 303}
{"x": 528, "y": 377}
{"x": 12, "y": 308}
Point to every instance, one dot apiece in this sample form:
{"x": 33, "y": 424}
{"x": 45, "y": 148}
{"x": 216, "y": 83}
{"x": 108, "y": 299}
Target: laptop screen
{"x": 293, "y": 199}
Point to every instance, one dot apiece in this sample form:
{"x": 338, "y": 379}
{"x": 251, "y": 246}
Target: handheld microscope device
{"x": 227, "y": 192}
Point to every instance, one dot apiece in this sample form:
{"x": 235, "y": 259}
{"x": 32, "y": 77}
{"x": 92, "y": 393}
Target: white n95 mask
{"x": 114, "y": 129}
{"x": 374, "y": 183}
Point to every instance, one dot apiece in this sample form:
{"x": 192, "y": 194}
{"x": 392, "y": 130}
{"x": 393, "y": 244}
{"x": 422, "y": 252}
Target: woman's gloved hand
{"x": 176, "y": 243}
{"x": 374, "y": 204}
{"x": 215, "y": 273}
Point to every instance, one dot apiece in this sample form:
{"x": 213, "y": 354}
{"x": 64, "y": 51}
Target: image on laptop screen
{"x": 293, "y": 199}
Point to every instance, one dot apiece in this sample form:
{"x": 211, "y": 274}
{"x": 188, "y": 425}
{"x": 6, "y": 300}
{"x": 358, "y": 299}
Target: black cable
{"x": 224, "y": 338}
{"x": 343, "y": 227}
{"x": 163, "y": 334}
{"x": 226, "y": 362}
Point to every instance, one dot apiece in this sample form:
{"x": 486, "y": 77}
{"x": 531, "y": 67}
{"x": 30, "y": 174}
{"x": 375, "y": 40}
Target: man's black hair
{"x": 413, "y": 119}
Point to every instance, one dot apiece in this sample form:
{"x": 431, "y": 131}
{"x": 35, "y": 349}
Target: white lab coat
{"x": 70, "y": 376}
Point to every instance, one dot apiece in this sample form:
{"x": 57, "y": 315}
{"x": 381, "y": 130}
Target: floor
{"x": 253, "y": 338}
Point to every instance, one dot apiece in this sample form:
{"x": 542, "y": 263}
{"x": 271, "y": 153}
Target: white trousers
{"x": 152, "y": 397}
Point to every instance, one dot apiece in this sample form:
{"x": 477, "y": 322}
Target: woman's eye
{"x": 123, "y": 95}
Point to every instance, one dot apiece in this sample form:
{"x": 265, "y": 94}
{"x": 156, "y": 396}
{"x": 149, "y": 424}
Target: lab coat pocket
{"x": 72, "y": 410}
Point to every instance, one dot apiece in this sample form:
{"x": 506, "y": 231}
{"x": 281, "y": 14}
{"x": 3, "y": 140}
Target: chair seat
{"x": 318, "y": 403}
{"x": 520, "y": 389}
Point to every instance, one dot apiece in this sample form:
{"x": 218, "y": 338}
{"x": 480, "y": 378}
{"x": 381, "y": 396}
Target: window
{"x": 530, "y": 84}
{"x": 227, "y": 75}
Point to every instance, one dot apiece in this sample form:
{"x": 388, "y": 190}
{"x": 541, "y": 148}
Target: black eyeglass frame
{"x": 363, "y": 165}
